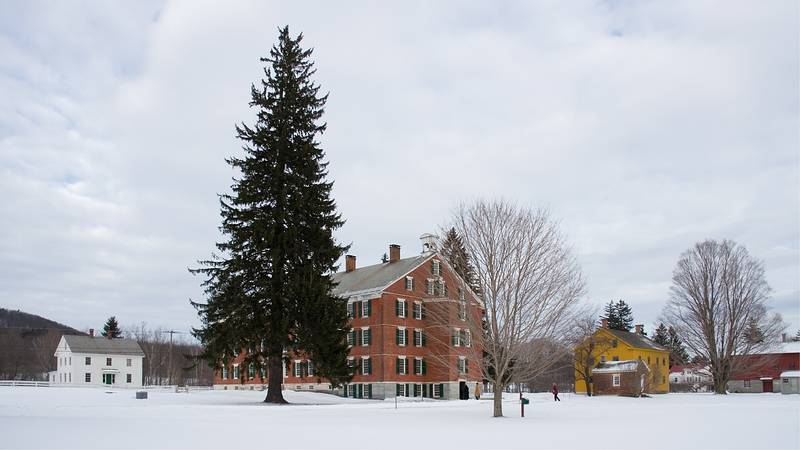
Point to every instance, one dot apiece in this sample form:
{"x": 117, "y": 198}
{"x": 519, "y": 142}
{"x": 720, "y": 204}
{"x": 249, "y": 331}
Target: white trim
{"x": 616, "y": 380}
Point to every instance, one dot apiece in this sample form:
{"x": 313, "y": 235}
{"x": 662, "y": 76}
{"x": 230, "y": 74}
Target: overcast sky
{"x": 643, "y": 126}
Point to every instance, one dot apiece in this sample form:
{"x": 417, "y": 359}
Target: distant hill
{"x": 27, "y": 344}
{"x": 18, "y": 319}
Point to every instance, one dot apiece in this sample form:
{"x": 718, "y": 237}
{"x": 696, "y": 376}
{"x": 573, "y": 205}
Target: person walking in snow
{"x": 477, "y": 391}
{"x": 554, "y": 390}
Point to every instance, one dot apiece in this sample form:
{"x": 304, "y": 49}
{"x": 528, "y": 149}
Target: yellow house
{"x": 615, "y": 345}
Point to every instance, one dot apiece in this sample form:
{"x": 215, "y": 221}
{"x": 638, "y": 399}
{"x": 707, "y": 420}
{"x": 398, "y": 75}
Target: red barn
{"x": 410, "y": 332}
{"x": 762, "y": 373}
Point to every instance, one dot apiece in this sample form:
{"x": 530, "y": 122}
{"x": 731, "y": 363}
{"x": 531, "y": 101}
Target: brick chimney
{"x": 640, "y": 329}
{"x": 394, "y": 253}
{"x": 349, "y": 263}
{"x": 603, "y": 323}
{"x": 91, "y": 332}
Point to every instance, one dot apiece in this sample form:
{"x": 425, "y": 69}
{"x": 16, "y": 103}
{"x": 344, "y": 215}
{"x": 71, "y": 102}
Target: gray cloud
{"x": 644, "y": 127}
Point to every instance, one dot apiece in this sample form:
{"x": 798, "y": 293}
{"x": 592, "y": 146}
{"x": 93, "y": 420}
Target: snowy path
{"x": 90, "y": 418}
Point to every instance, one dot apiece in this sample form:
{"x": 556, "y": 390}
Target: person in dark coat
{"x": 464, "y": 392}
{"x": 554, "y": 390}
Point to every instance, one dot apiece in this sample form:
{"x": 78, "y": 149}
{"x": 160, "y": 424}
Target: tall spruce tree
{"x": 677, "y": 351}
{"x": 452, "y": 248}
{"x": 111, "y": 328}
{"x": 619, "y": 315}
{"x": 269, "y": 288}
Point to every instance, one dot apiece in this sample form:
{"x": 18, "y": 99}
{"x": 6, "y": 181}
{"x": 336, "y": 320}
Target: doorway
{"x": 767, "y": 385}
{"x": 109, "y": 378}
{"x": 463, "y": 390}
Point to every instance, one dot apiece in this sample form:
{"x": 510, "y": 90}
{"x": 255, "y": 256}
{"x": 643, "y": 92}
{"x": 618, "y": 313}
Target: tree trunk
{"x": 498, "y": 400}
{"x": 275, "y": 381}
{"x": 720, "y": 386}
{"x": 588, "y": 389}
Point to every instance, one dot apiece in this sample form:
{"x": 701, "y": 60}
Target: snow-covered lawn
{"x": 92, "y": 418}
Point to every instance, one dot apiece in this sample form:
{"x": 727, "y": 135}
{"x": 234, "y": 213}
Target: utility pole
{"x": 171, "y": 332}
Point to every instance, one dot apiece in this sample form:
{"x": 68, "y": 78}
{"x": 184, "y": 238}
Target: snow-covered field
{"x": 92, "y": 418}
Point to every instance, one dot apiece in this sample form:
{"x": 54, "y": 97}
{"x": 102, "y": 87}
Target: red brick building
{"x": 411, "y": 334}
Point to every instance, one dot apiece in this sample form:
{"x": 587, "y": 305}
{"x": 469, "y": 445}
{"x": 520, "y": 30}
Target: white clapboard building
{"x": 96, "y": 361}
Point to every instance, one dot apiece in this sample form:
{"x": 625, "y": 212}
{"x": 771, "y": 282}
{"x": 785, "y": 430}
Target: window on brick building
{"x": 401, "y": 336}
{"x": 462, "y": 365}
{"x": 401, "y": 365}
{"x": 351, "y": 337}
{"x": 297, "y": 368}
{"x": 436, "y": 267}
{"x": 400, "y": 308}
{"x": 409, "y": 283}
{"x": 429, "y": 286}
{"x": 462, "y": 310}
{"x": 366, "y": 337}
{"x": 419, "y": 311}
{"x": 366, "y": 365}
{"x": 456, "y": 337}
{"x": 351, "y": 310}
{"x": 366, "y": 308}
{"x": 420, "y": 366}
{"x": 419, "y": 338}
{"x": 615, "y": 380}
{"x": 400, "y": 390}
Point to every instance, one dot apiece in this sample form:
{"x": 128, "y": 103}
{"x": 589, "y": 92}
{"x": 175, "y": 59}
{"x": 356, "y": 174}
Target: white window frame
{"x": 363, "y": 366}
{"x": 365, "y": 308}
{"x": 417, "y": 310}
{"x": 437, "y": 267}
{"x": 129, "y": 362}
{"x": 403, "y": 307}
{"x": 457, "y": 340}
{"x": 351, "y": 338}
{"x": 462, "y": 310}
{"x": 351, "y": 309}
{"x": 296, "y": 368}
{"x": 403, "y": 392}
{"x": 615, "y": 380}
{"x": 402, "y": 337}
{"x": 467, "y": 338}
{"x": 418, "y": 337}
{"x": 225, "y": 372}
{"x": 431, "y": 289}
{"x": 409, "y": 283}
{"x": 437, "y": 391}
{"x": 417, "y": 358}
{"x": 363, "y": 329}
{"x": 404, "y": 363}
{"x": 236, "y": 372}
{"x": 462, "y": 364}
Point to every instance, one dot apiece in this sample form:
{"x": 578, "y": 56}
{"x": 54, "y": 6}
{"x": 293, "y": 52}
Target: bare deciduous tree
{"x": 718, "y": 296}
{"x": 529, "y": 281}
{"x": 588, "y": 346}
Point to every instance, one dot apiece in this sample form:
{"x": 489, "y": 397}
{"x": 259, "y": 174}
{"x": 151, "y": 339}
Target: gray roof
{"x": 88, "y": 344}
{"x": 377, "y": 277}
{"x": 630, "y": 365}
{"x": 636, "y": 340}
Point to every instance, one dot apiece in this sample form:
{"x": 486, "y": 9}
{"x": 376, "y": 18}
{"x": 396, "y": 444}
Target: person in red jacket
{"x": 555, "y": 393}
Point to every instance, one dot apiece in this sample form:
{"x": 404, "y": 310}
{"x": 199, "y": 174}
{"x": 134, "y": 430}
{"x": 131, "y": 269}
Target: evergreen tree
{"x": 677, "y": 352}
{"x": 753, "y": 333}
{"x": 662, "y": 336}
{"x": 452, "y": 248}
{"x": 269, "y": 288}
{"x": 111, "y": 328}
{"x": 619, "y": 316}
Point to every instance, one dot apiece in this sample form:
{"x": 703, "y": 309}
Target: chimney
{"x": 394, "y": 253}
{"x": 91, "y": 332}
{"x": 639, "y": 330}
{"x": 349, "y": 263}
{"x": 604, "y": 323}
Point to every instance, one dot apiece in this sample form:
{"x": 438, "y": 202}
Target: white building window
{"x": 418, "y": 310}
{"x": 224, "y": 372}
{"x": 366, "y": 365}
{"x": 401, "y": 336}
{"x": 88, "y": 377}
{"x": 436, "y": 268}
{"x": 462, "y": 364}
{"x": 351, "y": 337}
{"x": 419, "y": 366}
{"x": 366, "y": 336}
{"x": 437, "y": 390}
{"x": 128, "y": 378}
{"x": 235, "y": 371}
{"x": 297, "y": 368}
{"x": 401, "y": 308}
{"x": 402, "y": 368}
{"x": 311, "y": 370}
{"x": 462, "y": 310}
{"x": 88, "y": 360}
{"x": 409, "y": 283}
{"x": 419, "y": 338}
{"x": 365, "y": 308}
{"x": 456, "y": 338}
{"x": 401, "y": 390}
{"x": 429, "y": 286}
{"x": 467, "y": 338}
{"x": 108, "y": 361}
{"x": 615, "y": 380}
{"x": 128, "y": 362}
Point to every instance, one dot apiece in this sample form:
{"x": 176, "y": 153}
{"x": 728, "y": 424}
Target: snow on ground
{"x": 91, "y": 418}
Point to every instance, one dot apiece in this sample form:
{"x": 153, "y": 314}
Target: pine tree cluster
{"x": 111, "y": 329}
{"x": 669, "y": 339}
{"x": 619, "y": 315}
{"x": 453, "y": 249}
